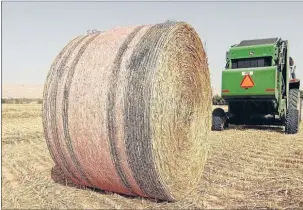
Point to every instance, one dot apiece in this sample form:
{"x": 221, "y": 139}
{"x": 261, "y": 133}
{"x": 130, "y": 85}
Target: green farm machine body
{"x": 258, "y": 87}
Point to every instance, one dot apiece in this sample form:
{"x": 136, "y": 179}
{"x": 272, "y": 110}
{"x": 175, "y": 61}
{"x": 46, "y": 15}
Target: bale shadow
{"x": 277, "y": 129}
{"x": 59, "y": 177}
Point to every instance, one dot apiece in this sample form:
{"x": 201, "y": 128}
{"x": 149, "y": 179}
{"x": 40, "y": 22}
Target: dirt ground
{"x": 247, "y": 167}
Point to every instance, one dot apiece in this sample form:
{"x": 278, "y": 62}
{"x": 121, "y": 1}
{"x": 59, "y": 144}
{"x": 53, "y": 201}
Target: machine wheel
{"x": 217, "y": 124}
{"x": 219, "y": 120}
{"x": 293, "y": 112}
{"x": 292, "y": 121}
{"x": 226, "y": 124}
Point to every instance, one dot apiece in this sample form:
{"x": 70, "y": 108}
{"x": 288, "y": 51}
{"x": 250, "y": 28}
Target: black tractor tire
{"x": 293, "y": 112}
{"x": 219, "y": 112}
{"x": 217, "y": 124}
{"x": 226, "y": 124}
{"x": 219, "y": 120}
{"x": 291, "y": 121}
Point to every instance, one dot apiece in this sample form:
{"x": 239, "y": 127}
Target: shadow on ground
{"x": 258, "y": 127}
{"x": 59, "y": 178}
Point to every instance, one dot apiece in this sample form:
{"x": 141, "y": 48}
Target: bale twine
{"x": 128, "y": 110}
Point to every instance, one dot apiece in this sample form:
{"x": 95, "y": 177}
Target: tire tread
{"x": 293, "y": 111}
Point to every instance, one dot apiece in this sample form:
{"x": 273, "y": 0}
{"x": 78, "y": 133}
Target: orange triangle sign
{"x": 247, "y": 82}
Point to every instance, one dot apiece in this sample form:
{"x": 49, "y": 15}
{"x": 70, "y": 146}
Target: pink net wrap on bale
{"x": 129, "y": 110}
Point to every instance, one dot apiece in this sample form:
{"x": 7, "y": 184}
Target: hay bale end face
{"x": 129, "y": 110}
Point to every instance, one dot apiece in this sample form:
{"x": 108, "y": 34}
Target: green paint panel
{"x": 263, "y": 78}
{"x": 258, "y": 51}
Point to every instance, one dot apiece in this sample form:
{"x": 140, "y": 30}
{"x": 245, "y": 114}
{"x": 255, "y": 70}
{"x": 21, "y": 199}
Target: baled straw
{"x": 128, "y": 110}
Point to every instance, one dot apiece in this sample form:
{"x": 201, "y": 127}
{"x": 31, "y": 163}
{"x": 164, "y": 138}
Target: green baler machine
{"x": 259, "y": 86}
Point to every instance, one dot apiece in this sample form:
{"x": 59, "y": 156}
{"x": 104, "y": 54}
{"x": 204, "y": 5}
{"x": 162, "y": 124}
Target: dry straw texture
{"x": 128, "y": 110}
{"x": 258, "y": 168}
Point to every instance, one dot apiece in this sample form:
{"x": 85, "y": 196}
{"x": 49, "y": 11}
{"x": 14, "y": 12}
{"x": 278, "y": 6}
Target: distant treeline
{"x": 21, "y": 101}
{"x": 217, "y": 100}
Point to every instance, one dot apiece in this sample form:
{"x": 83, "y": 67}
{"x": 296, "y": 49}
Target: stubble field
{"x": 247, "y": 167}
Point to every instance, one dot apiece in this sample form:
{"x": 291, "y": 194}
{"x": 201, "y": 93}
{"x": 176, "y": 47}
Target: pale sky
{"x": 33, "y": 33}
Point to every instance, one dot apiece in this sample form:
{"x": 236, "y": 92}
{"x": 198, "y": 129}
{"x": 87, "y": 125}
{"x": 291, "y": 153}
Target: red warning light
{"x": 247, "y": 82}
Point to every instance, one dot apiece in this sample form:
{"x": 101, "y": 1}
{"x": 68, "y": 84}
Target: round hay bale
{"x": 129, "y": 110}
